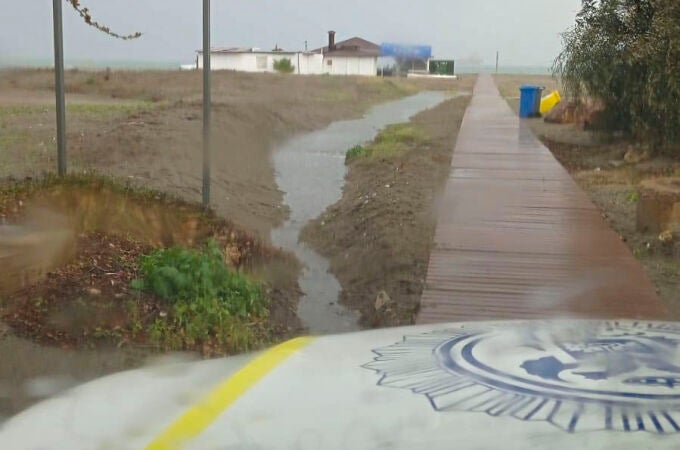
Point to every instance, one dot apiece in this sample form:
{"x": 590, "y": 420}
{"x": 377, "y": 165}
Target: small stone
{"x": 94, "y": 291}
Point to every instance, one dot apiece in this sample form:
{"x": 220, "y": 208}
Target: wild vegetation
{"x": 625, "y": 55}
{"x": 284, "y": 66}
{"x": 392, "y": 141}
{"x": 209, "y": 301}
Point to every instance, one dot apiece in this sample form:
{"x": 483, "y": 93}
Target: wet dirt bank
{"x": 379, "y": 235}
{"x": 68, "y": 312}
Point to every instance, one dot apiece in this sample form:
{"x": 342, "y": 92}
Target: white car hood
{"x": 511, "y": 385}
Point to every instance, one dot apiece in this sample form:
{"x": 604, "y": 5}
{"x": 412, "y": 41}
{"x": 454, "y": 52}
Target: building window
{"x": 329, "y": 62}
{"x": 261, "y": 62}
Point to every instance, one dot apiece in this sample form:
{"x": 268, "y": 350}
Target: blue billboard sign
{"x": 406, "y": 51}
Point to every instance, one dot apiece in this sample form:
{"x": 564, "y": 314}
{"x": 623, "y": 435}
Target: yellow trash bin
{"x": 550, "y": 101}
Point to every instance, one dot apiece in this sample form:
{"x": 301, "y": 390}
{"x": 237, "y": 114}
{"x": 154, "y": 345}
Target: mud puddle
{"x": 310, "y": 170}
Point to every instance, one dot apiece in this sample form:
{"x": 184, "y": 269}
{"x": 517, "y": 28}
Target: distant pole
{"x": 206, "y": 103}
{"x": 497, "y": 58}
{"x": 59, "y": 86}
{"x": 305, "y": 45}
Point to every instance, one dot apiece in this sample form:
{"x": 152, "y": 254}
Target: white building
{"x": 256, "y": 60}
{"x": 354, "y": 56}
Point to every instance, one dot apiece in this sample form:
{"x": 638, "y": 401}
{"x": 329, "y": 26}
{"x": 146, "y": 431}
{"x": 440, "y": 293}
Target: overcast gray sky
{"x": 526, "y": 32}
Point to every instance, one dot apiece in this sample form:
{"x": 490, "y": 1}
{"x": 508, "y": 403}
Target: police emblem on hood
{"x": 578, "y": 376}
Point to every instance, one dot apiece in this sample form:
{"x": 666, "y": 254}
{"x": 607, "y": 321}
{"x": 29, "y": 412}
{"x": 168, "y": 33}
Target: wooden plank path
{"x": 517, "y": 238}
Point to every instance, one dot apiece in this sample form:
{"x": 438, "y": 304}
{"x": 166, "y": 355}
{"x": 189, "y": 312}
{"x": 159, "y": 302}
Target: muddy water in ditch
{"x": 310, "y": 170}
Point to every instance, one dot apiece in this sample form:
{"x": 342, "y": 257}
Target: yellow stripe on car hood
{"x": 200, "y": 416}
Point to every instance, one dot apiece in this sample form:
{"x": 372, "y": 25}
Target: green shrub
{"x": 181, "y": 275}
{"x": 209, "y": 301}
{"x": 284, "y": 66}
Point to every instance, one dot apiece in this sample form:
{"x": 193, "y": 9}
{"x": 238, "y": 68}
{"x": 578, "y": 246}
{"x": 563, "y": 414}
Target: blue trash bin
{"x": 530, "y": 101}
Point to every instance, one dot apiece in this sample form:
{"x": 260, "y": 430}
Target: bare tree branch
{"x": 87, "y": 17}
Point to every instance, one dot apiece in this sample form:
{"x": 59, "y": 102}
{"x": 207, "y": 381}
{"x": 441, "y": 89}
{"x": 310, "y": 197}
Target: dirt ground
{"x": 378, "y": 237}
{"x": 597, "y": 164}
{"x": 146, "y": 127}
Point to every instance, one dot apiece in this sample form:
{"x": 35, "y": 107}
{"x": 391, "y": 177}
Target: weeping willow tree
{"x": 625, "y": 54}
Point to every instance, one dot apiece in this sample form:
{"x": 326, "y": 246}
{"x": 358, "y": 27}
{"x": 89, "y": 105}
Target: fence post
{"x": 206, "y": 103}
{"x": 59, "y": 86}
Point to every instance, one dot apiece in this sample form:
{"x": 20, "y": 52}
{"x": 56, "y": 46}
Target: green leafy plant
{"x": 184, "y": 275}
{"x": 633, "y": 197}
{"x": 209, "y": 301}
{"x": 284, "y": 66}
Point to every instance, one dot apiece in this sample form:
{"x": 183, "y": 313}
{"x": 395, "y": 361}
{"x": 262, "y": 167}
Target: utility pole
{"x": 59, "y": 86}
{"x": 497, "y": 58}
{"x": 207, "y": 116}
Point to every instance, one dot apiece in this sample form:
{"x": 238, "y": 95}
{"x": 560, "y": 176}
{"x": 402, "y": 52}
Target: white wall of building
{"x": 305, "y": 63}
{"x": 309, "y": 64}
{"x": 351, "y": 65}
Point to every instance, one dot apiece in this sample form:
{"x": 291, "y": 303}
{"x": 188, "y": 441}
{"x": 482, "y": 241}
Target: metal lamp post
{"x": 207, "y": 116}
{"x": 59, "y": 86}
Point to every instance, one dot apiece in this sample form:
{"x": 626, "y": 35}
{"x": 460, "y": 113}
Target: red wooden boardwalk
{"x": 517, "y": 238}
